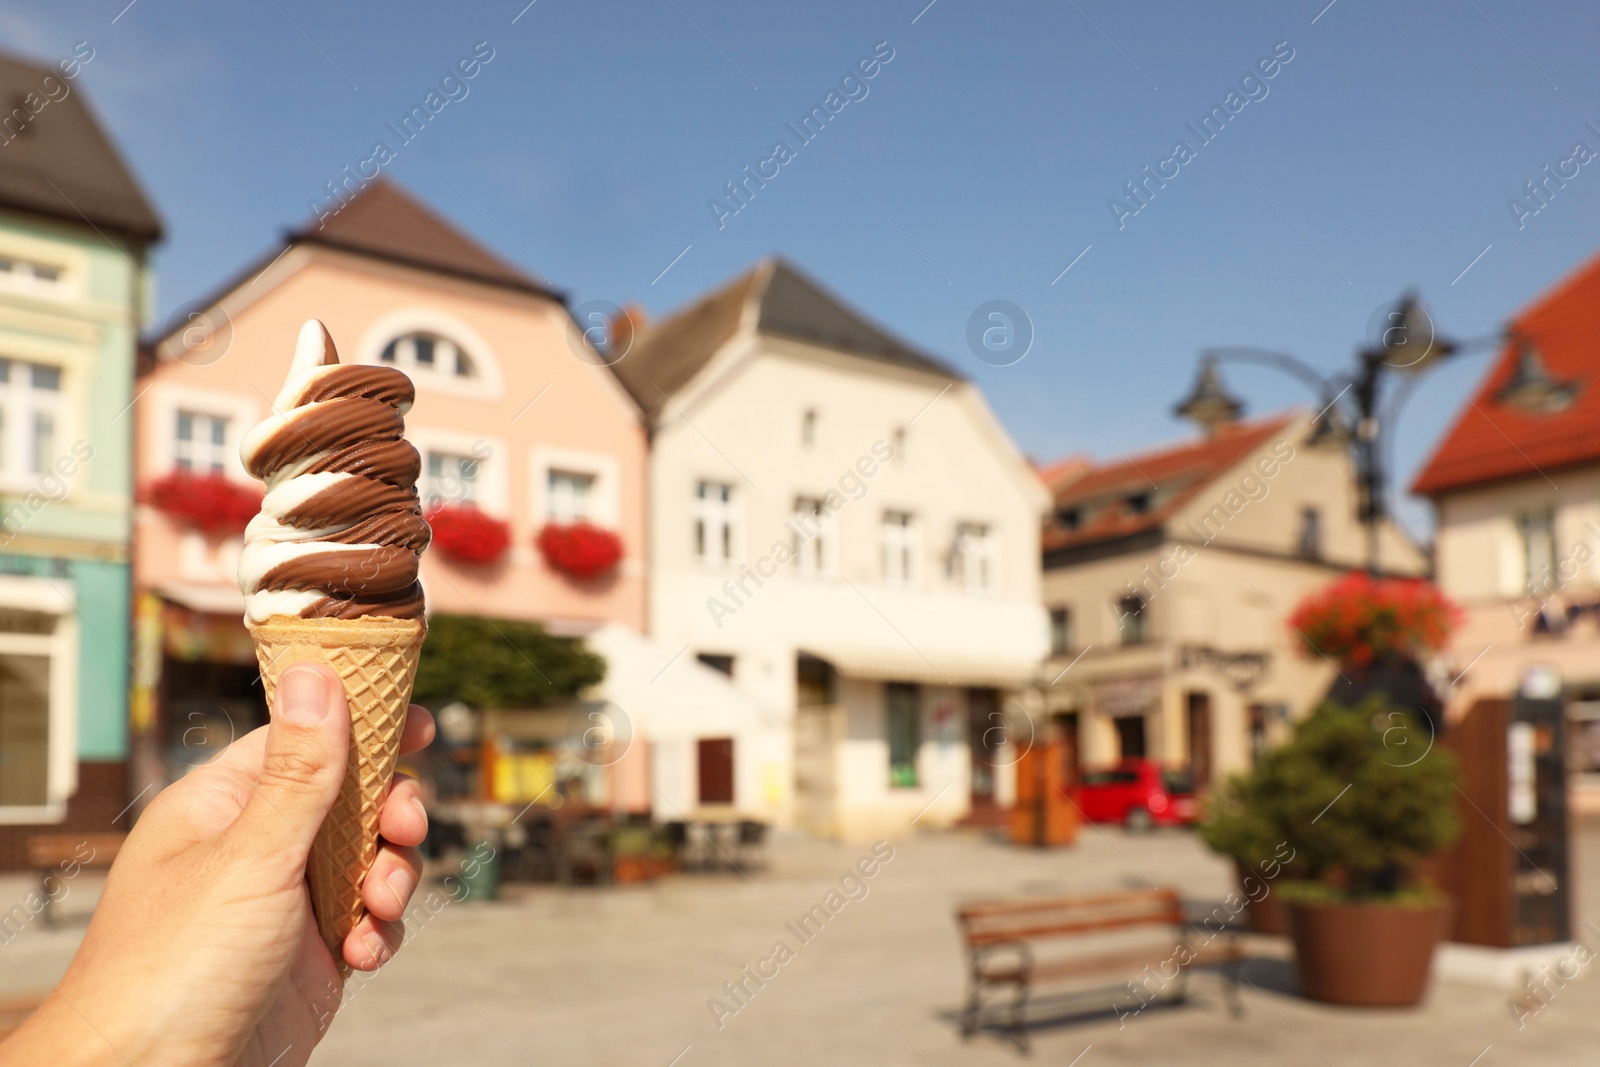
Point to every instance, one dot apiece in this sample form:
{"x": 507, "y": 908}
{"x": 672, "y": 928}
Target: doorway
{"x": 986, "y": 731}
{"x": 1066, "y": 730}
{"x": 716, "y": 770}
{"x": 1130, "y": 736}
{"x": 1198, "y": 725}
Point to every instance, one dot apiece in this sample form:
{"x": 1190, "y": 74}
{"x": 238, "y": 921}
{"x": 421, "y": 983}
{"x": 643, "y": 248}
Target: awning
{"x": 210, "y": 599}
{"x": 933, "y": 669}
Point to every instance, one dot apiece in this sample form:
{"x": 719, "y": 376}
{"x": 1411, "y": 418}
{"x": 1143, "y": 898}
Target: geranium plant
{"x": 1360, "y": 619}
{"x": 579, "y": 549}
{"x": 468, "y": 535}
{"x": 212, "y": 503}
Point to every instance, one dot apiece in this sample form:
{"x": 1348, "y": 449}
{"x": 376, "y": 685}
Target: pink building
{"x": 515, "y": 417}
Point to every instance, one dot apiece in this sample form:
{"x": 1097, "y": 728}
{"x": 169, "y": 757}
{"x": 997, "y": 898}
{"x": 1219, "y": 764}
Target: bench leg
{"x": 1019, "y": 1028}
{"x": 973, "y": 1011}
{"x": 47, "y": 914}
{"x": 1230, "y": 988}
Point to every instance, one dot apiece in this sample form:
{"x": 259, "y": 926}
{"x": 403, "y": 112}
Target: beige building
{"x": 1169, "y": 576}
{"x": 1516, "y": 488}
{"x": 840, "y": 524}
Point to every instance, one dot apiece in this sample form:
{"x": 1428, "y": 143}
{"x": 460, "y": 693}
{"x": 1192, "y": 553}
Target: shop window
{"x": 905, "y": 734}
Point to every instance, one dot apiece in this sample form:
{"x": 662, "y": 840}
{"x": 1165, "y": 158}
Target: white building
{"x": 841, "y": 525}
{"x": 1515, "y": 485}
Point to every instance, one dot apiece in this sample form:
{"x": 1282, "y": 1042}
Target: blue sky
{"x": 977, "y": 167}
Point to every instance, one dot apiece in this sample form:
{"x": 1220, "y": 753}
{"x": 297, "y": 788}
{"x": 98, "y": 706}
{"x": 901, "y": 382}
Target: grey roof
{"x": 788, "y": 304}
{"x": 61, "y": 162}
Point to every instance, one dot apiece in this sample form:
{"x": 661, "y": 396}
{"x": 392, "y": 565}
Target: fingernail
{"x": 375, "y": 947}
{"x": 422, "y": 809}
{"x": 400, "y": 884}
{"x": 303, "y": 696}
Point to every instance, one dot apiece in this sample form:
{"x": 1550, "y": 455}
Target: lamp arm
{"x": 1265, "y": 357}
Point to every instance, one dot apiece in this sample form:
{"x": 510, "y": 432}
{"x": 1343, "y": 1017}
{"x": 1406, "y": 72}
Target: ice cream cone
{"x": 377, "y": 658}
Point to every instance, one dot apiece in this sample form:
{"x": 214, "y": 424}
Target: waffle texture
{"x": 377, "y": 658}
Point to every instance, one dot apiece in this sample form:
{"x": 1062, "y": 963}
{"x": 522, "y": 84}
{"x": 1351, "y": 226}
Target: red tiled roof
{"x": 384, "y": 220}
{"x": 1491, "y": 441}
{"x": 1178, "y": 472}
{"x": 1055, "y": 475}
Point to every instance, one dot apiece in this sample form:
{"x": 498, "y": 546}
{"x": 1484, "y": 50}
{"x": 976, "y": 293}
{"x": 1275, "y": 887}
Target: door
{"x": 818, "y": 737}
{"x": 985, "y": 730}
{"x": 1130, "y": 736}
{"x": 1071, "y": 755}
{"x": 1199, "y": 729}
{"x": 716, "y": 770}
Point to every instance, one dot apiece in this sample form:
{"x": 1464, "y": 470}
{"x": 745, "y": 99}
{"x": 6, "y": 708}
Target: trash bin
{"x": 480, "y": 872}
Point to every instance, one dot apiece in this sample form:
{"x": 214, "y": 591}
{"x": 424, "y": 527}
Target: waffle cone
{"x": 377, "y": 658}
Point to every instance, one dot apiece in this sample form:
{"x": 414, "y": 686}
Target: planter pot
{"x": 1267, "y": 915}
{"x": 1365, "y": 955}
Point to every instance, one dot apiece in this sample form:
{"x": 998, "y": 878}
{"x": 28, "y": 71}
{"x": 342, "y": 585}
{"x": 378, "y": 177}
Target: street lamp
{"x": 1351, "y": 415}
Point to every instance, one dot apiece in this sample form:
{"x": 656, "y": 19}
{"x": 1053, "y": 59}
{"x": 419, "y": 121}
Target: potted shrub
{"x": 1359, "y": 818}
{"x": 1236, "y": 825}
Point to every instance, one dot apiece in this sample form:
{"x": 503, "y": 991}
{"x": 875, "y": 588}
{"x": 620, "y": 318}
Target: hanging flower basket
{"x": 579, "y": 550}
{"x": 211, "y": 503}
{"x": 1359, "y": 619}
{"x": 468, "y": 535}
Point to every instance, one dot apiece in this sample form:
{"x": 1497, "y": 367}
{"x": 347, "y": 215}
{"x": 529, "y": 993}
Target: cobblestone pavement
{"x": 623, "y": 975}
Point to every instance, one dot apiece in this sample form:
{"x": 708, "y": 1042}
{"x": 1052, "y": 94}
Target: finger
{"x": 373, "y": 943}
{"x": 418, "y": 731}
{"x": 302, "y": 765}
{"x": 403, "y": 820}
{"x": 389, "y": 884}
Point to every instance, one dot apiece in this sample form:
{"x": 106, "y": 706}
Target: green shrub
{"x": 498, "y": 663}
{"x": 1349, "y": 794}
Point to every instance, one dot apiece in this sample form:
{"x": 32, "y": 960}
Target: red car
{"x": 1139, "y": 794}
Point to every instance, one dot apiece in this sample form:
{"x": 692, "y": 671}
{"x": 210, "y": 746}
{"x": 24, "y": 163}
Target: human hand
{"x": 203, "y": 948}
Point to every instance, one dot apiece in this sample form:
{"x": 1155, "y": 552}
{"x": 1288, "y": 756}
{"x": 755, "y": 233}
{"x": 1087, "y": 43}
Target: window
{"x": 1139, "y": 503}
{"x": 1060, "y": 631}
{"x": 31, "y": 645}
{"x": 31, "y": 410}
{"x": 1070, "y": 518}
{"x": 808, "y": 427}
{"x": 1131, "y": 620}
{"x": 713, "y": 523}
{"x": 899, "y": 547}
{"x": 899, "y": 442}
{"x": 430, "y": 354}
{"x": 973, "y": 557}
{"x": 904, "y": 728}
{"x": 202, "y": 443}
{"x": 569, "y": 496}
{"x": 27, "y": 276}
{"x": 810, "y": 544}
{"x": 1311, "y": 533}
{"x": 448, "y": 478}
{"x": 717, "y": 661}
{"x": 1538, "y": 532}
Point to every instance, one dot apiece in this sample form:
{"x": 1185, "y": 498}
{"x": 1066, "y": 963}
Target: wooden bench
{"x": 1000, "y": 937}
{"x": 62, "y": 857}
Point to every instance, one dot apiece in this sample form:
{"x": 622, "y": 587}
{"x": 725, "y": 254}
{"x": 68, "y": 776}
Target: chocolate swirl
{"x": 340, "y": 533}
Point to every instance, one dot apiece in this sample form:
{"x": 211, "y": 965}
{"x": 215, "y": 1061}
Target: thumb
{"x": 303, "y": 765}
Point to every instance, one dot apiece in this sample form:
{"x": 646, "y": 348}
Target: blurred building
{"x": 1515, "y": 485}
{"x": 519, "y": 423}
{"x": 75, "y": 233}
{"x": 841, "y": 526}
{"x": 1169, "y": 577}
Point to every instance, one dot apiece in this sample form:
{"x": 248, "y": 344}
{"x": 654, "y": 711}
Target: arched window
{"x": 428, "y": 353}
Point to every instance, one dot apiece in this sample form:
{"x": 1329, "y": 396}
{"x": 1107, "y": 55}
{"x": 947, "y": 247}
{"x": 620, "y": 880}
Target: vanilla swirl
{"x": 340, "y": 533}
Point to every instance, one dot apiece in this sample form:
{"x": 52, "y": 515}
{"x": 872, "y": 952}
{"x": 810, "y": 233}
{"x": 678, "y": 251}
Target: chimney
{"x": 626, "y": 325}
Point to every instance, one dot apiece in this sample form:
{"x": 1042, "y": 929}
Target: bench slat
{"x": 982, "y": 908}
{"x": 51, "y": 850}
{"x": 978, "y": 938}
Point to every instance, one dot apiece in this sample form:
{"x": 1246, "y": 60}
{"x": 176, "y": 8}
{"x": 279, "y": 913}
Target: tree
{"x": 498, "y": 663}
{"x": 1359, "y": 793}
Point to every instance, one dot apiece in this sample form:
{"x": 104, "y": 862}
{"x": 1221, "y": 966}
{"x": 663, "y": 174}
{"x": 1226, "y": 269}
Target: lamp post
{"x": 1351, "y": 414}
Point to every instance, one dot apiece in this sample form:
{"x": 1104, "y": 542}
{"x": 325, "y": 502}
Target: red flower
{"x": 468, "y": 535}
{"x": 1358, "y": 618}
{"x": 579, "y": 549}
{"x": 211, "y": 503}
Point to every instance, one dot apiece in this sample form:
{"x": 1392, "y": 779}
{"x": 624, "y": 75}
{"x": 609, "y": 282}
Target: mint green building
{"x": 75, "y": 290}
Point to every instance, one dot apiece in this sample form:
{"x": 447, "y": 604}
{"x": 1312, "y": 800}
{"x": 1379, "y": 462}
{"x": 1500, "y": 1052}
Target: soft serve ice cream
{"x": 340, "y": 533}
{"x": 329, "y": 575}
